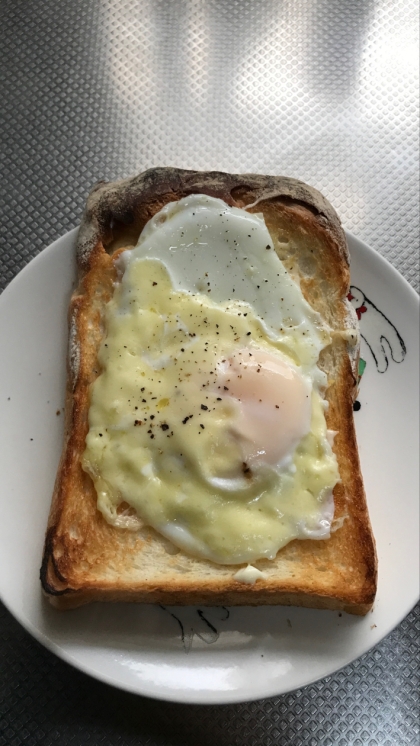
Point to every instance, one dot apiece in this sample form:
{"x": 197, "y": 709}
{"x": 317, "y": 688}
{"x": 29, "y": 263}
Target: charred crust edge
{"x": 120, "y": 200}
{"x": 47, "y": 561}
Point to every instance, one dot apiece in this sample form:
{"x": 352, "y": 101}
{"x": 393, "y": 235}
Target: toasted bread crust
{"x": 86, "y": 559}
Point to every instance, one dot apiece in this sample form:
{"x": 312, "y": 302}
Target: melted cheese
{"x": 162, "y": 432}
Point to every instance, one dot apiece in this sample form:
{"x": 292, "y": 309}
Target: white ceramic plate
{"x": 210, "y": 655}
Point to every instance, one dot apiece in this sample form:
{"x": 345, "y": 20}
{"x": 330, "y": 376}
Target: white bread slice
{"x": 86, "y": 559}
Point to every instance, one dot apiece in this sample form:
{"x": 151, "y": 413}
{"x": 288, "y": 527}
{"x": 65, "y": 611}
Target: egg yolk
{"x": 274, "y": 405}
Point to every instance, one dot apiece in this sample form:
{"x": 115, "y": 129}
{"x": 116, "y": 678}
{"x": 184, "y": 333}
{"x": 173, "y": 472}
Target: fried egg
{"x": 207, "y": 421}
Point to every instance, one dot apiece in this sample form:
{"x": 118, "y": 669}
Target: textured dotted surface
{"x": 326, "y": 91}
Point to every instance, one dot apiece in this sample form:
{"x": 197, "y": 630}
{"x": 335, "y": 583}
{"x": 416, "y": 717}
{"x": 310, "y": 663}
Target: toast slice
{"x": 85, "y": 558}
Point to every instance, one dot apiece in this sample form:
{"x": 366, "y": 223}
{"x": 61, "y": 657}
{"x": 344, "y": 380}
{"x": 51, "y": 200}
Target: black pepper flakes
{"x": 246, "y": 470}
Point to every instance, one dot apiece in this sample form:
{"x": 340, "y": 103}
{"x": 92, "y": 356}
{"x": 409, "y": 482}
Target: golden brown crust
{"x": 86, "y": 559}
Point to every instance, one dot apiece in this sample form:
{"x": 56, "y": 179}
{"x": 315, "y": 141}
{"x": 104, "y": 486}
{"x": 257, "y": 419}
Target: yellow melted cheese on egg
{"x": 171, "y": 420}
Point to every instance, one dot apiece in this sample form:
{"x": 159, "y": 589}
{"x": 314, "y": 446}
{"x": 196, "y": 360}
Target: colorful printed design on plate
{"x": 382, "y": 338}
{"x": 193, "y": 621}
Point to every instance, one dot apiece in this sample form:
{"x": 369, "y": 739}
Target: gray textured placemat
{"x": 325, "y": 91}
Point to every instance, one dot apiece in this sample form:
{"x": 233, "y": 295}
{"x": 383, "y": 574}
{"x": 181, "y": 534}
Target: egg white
{"x": 204, "y": 280}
